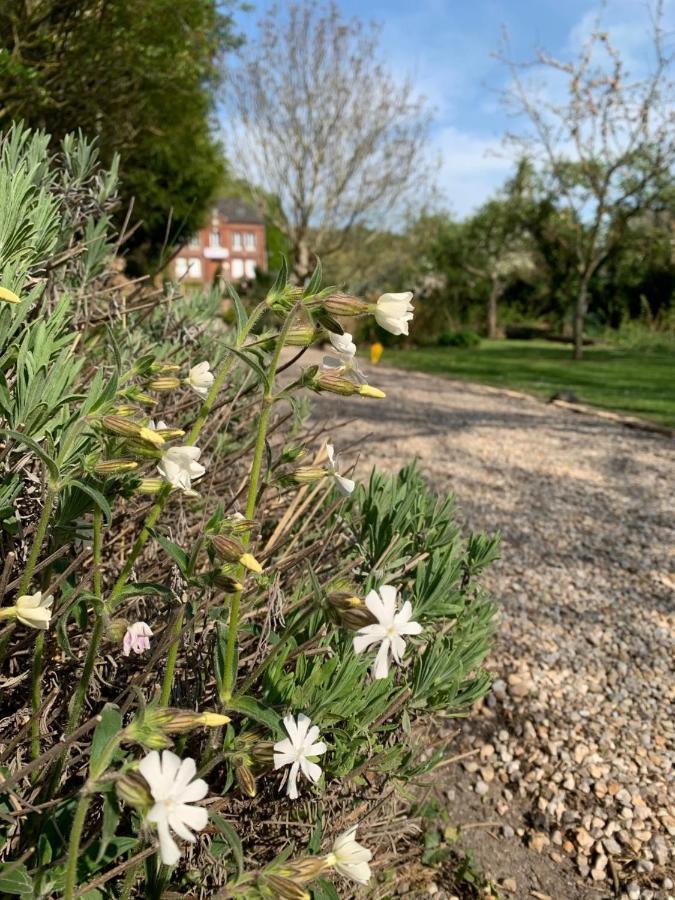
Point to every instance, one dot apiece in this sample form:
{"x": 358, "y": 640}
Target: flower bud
{"x": 9, "y": 296}
{"x": 343, "y": 600}
{"x": 356, "y": 618}
{"x": 115, "y": 466}
{"x": 164, "y": 368}
{"x": 164, "y": 383}
{"x": 134, "y": 790}
{"x": 366, "y": 390}
{"x": 239, "y": 524}
{"x": 340, "y": 304}
{"x": 308, "y": 474}
{"x": 285, "y": 888}
{"x": 156, "y": 438}
{"x": 116, "y": 629}
{"x": 245, "y": 780}
{"x": 214, "y": 720}
{"x": 120, "y": 426}
{"x": 145, "y": 399}
{"x": 125, "y": 410}
{"x": 334, "y": 383}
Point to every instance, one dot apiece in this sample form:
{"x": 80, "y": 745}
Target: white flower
{"x": 346, "y": 485}
{"x": 200, "y": 378}
{"x": 394, "y": 311}
{"x": 172, "y": 789}
{"x": 389, "y": 628}
{"x": 158, "y": 426}
{"x": 34, "y": 610}
{"x": 350, "y": 858}
{"x": 137, "y": 638}
{"x": 180, "y": 467}
{"x": 345, "y": 348}
{"x": 296, "y": 750}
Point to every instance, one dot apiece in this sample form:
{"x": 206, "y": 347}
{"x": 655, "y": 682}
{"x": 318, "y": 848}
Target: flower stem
{"x": 24, "y": 584}
{"x": 74, "y": 847}
{"x": 251, "y": 500}
{"x": 167, "y": 683}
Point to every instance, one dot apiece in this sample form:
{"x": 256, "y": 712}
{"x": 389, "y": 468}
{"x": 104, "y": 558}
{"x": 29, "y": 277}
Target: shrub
{"x": 196, "y": 589}
{"x": 459, "y": 339}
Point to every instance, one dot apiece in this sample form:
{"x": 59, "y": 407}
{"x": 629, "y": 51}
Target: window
{"x": 214, "y": 238}
{"x": 237, "y": 268}
{"x": 193, "y": 243}
{"x": 249, "y": 241}
{"x": 188, "y": 268}
{"x": 249, "y": 268}
{"x": 236, "y": 240}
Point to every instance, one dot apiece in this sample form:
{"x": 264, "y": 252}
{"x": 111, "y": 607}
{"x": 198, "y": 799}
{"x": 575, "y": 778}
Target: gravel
{"x": 577, "y": 736}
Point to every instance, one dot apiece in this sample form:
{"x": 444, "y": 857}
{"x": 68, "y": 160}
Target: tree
{"x": 324, "y": 127}
{"x": 606, "y": 149}
{"x": 139, "y": 76}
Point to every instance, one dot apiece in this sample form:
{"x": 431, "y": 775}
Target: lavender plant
{"x": 206, "y": 624}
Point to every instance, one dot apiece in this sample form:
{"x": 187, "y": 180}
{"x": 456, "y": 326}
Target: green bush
{"x": 459, "y": 339}
{"x": 201, "y": 585}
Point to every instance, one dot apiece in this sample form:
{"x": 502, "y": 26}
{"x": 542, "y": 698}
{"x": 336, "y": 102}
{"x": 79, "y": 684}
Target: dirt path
{"x": 576, "y": 760}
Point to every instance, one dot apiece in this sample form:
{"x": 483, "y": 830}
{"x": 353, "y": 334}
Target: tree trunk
{"x": 579, "y": 319}
{"x": 495, "y": 292}
{"x": 302, "y": 266}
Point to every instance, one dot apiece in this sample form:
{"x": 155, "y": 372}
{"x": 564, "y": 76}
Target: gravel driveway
{"x": 577, "y": 738}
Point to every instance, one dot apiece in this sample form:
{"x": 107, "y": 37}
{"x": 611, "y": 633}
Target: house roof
{"x": 235, "y": 210}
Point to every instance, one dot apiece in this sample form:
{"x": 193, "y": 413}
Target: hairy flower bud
{"x": 125, "y": 410}
{"x": 120, "y": 426}
{"x": 164, "y": 383}
{"x": 115, "y": 466}
{"x": 304, "y": 335}
{"x": 334, "y": 383}
{"x": 285, "y": 888}
{"x": 340, "y": 304}
{"x": 226, "y": 581}
{"x": 245, "y": 780}
{"x": 356, "y": 618}
{"x": 116, "y": 629}
{"x": 134, "y": 790}
{"x": 150, "y": 485}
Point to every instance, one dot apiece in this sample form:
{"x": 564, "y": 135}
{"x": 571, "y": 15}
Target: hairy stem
{"x": 74, "y": 847}
{"x": 172, "y": 655}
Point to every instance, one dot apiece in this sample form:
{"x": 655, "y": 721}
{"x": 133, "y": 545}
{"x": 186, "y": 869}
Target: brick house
{"x": 232, "y": 245}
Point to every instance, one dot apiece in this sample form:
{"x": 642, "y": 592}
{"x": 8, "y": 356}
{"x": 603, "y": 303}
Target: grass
{"x": 622, "y": 380}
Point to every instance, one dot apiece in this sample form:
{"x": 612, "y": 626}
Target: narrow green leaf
{"x": 250, "y": 707}
{"x": 36, "y": 448}
{"x": 177, "y": 554}
{"x": 96, "y": 496}
{"x": 14, "y": 879}
{"x": 103, "y": 745}
{"x": 231, "y": 837}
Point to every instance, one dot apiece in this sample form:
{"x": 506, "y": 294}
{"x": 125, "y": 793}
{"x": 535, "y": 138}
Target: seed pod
{"x": 150, "y": 485}
{"x": 334, "y": 383}
{"x": 115, "y": 466}
{"x": 263, "y": 752}
{"x": 120, "y": 426}
{"x": 115, "y": 630}
{"x": 285, "y": 888}
{"x": 164, "y": 383}
{"x": 304, "y": 335}
{"x": 232, "y": 549}
{"x": 245, "y": 780}
{"x": 356, "y": 618}
{"x": 227, "y": 582}
{"x": 340, "y": 304}
{"x": 308, "y": 474}
{"x": 305, "y": 869}
{"x": 134, "y": 790}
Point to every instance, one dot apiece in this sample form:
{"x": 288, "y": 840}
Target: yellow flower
{"x": 9, "y": 296}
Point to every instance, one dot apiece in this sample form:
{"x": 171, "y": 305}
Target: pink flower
{"x": 137, "y": 638}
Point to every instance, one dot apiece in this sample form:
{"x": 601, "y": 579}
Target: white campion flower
{"x": 34, "y": 610}
{"x": 200, "y": 378}
{"x": 345, "y": 348}
{"x": 158, "y": 426}
{"x": 180, "y": 467}
{"x": 394, "y": 311}
{"x": 173, "y": 788}
{"x": 137, "y": 638}
{"x": 350, "y": 858}
{"x": 296, "y": 750}
{"x": 391, "y": 625}
{"x": 346, "y": 485}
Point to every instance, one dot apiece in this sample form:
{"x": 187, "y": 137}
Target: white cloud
{"x": 472, "y": 167}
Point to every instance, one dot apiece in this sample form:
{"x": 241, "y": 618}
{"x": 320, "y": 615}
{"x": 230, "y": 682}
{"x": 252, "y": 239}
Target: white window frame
{"x": 249, "y": 268}
{"x": 236, "y": 240}
{"x": 249, "y": 240}
{"x": 237, "y": 268}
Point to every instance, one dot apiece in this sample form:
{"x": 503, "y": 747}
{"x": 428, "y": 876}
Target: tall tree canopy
{"x": 139, "y": 76}
{"x": 323, "y": 126}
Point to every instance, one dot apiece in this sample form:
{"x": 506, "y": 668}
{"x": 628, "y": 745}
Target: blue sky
{"x": 446, "y": 47}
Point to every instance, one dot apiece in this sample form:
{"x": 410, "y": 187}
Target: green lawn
{"x": 630, "y": 381}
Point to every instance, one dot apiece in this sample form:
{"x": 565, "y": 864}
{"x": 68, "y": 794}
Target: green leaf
{"x": 96, "y": 496}
{"x": 256, "y": 711}
{"x": 240, "y": 312}
{"x": 103, "y": 744}
{"x": 177, "y": 554}
{"x": 281, "y": 279}
{"x": 111, "y": 818}
{"x": 315, "y": 281}
{"x": 231, "y": 837}
{"x": 14, "y": 879}
{"x": 144, "y": 589}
